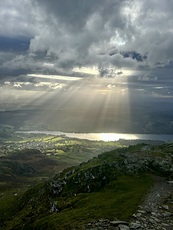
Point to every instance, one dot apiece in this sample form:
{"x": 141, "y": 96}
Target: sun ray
{"x": 88, "y": 104}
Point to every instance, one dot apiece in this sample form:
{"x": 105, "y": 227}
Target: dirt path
{"x": 156, "y": 211}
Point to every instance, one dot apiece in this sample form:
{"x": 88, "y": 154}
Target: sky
{"x": 100, "y": 47}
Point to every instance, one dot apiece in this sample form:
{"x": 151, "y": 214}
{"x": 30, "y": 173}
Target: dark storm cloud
{"x": 75, "y": 14}
{"x": 109, "y": 34}
{"x": 14, "y": 44}
{"x": 18, "y": 18}
{"x": 78, "y": 29}
{"x": 72, "y": 14}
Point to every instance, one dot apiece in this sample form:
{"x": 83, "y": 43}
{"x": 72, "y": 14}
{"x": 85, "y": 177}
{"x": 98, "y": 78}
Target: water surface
{"x": 107, "y": 136}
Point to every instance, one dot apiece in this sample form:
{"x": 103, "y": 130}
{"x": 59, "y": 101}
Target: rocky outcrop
{"x": 92, "y": 179}
{"x": 84, "y": 181}
{"x": 156, "y": 212}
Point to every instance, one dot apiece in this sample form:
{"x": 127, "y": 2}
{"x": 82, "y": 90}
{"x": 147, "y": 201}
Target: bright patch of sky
{"x": 55, "y": 77}
{"x": 86, "y": 70}
{"x": 29, "y": 85}
{"x": 50, "y": 85}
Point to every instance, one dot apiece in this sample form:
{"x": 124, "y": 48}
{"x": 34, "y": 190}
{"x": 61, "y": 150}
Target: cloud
{"x": 55, "y": 77}
{"x": 110, "y": 35}
{"x": 152, "y": 25}
{"x": 148, "y": 77}
{"x": 19, "y": 18}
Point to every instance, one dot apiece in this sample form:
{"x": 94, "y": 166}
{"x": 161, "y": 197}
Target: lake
{"x": 106, "y": 136}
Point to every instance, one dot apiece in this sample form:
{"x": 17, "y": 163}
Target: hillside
{"x": 27, "y": 158}
{"x": 25, "y": 167}
{"x": 95, "y": 194}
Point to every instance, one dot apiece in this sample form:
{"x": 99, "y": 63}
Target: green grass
{"x": 55, "y": 139}
{"x": 118, "y": 199}
{"x": 8, "y": 203}
{"x": 59, "y": 151}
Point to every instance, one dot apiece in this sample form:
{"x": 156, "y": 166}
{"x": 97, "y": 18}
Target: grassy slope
{"x": 118, "y": 198}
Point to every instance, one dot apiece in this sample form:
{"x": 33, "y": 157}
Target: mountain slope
{"x": 109, "y": 186}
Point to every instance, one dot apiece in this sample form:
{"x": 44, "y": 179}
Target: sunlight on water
{"x": 116, "y": 136}
{"x": 91, "y": 136}
{"x": 106, "y": 136}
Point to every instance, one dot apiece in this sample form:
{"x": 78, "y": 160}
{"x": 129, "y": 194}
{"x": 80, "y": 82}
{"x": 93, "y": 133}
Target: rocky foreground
{"x": 156, "y": 211}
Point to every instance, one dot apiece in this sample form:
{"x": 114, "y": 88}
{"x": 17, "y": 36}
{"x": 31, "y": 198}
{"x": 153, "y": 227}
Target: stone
{"x": 165, "y": 225}
{"x": 143, "y": 219}
{"x": 104, "y": 220}
{"x": 117, "y": 222}
{"x": 153, "y": 214}
{"x": 167, "y": 214}
{"x": 152, "y": 221}
{"x": 141, "y": 211}
{"x": 165, "y": 207}
{"x": 138, "y": 215}
{"x": 123, "y": 227}
{"x": 135, "y": 226}
{"x": 156, "y": 219}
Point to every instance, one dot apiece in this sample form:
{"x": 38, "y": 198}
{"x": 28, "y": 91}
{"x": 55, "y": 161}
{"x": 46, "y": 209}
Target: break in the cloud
{"x": 56, "y": 37}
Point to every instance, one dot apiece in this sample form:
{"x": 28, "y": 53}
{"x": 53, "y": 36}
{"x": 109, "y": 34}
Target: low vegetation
{"x": 108, "y": 186}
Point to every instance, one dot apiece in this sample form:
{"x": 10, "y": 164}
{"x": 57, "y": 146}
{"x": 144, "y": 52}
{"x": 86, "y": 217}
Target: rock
{"x": 152, "y": 221}
{"x": 153, "y": 214}
{"x": 141, "y": 211}
{"x": 101, "y": 220}
{"x": 165, "y": 207}
{"x": 156, "y": 219}
{"x": 117, "y": 223}
{"x": 164, "y": 225}
{"x": 167, "y": 214}
{"x": 53, "y": 207}
{"x": 138, "y": 215}
{"x": 143, "y": 219}
{"x": 135, "y": 226}
{"x": 123, "y": 227}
